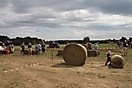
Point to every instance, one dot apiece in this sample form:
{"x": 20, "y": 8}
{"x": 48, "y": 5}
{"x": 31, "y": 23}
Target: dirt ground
{"x": 17, "y": 71}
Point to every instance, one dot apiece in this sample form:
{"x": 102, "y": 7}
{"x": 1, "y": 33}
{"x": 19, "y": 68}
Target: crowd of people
{"x": 38, "y": 48}
{"x": 41, "y": 47}
{"x": 123, "y": 46}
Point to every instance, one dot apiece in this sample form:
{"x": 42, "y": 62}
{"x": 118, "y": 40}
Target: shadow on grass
{"x": 112, "y": 67}
{"x": 63, "y": 65}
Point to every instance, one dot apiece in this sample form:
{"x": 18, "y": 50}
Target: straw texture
{"x": 74, "y": 54}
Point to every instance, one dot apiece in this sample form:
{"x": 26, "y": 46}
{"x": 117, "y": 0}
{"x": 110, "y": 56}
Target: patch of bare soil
{"x": 56, "y": 74}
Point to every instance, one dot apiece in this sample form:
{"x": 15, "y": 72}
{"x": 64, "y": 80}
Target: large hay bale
{"x": 60, "y": 52}
{"x": 74, "y": 54}
{"x": 26, "y": 51}
{"x": 33, "y": 51}
{"x": 117, "y": 61}
{"x": 92, "y": 53}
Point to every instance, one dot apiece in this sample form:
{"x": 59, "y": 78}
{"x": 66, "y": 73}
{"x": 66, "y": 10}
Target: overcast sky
{"x": 66, "y": 19}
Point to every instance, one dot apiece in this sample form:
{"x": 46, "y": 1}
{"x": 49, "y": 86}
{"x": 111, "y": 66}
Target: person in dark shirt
{"x": 43, "y": 47}
{"x": 22, "y": 48}
{"x": 108, "y": 58}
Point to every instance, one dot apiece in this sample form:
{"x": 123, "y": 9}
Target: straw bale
{"x": 60, "y": 52}
{"x": 117, "y": 61}
{"x": 33, "y": 51}
{"x": 74, "y": 54}
{"x": 92, "y": 53}
{"x": 25, "y": 51}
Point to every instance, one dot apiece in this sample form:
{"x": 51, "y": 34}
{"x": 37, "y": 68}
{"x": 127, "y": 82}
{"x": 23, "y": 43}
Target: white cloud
{"x": 66, "y": 19}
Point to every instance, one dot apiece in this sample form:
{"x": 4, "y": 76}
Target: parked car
{"x": 54, "y": 45}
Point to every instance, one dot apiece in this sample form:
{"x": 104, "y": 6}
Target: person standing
{"x": 96, "y": 48}
{"x": 121, "y": 44}
{"x": 30, "y": 49}
{"x": 39, "y": 48}
{"x": 36, "y": 48}
{"x": 43, "y": 47}
{"x": 125, "y": 45}
{"x": 10, "y": 48}
{"x": 22, "y": 48}
{"x": 89, "y": 46}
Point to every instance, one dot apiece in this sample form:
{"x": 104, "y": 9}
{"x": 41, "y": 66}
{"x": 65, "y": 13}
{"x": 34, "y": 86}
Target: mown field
{"x": 50, "y": 71}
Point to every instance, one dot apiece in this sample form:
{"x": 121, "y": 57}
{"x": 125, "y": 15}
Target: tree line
{"x": 34, "y": 40}
{"x": 19, "y": 40}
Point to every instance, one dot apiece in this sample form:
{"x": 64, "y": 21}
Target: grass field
{"x": 55, "y": 74}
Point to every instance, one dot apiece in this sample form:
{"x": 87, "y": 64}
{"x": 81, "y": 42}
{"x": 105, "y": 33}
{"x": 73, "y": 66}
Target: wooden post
{"x": 52, "y": 53}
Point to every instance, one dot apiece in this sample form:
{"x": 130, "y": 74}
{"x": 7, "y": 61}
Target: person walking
{"x": 108, "y": 58}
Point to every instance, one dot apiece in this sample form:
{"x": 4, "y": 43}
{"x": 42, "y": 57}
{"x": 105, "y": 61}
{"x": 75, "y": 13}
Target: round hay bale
{"x": 74, "y": 54}
{"x": 60, "y": 52}
{"x": 117, "y": 61}
{"x": 92, "y": 53}
{"x": 34, "y": 51}
{"x": 26, "y": 51}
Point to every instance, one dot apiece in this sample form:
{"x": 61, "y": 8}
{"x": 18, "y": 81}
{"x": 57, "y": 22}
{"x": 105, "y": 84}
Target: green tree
{"x": 86, "y": 39}
{"x": 123, "y": 38}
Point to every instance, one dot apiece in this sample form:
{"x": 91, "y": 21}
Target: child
{"x": 108, "y": 58}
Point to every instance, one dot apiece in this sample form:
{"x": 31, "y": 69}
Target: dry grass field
{"x": 47, "y": 71}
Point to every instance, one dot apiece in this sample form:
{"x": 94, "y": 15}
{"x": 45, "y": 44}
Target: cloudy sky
{"x": 66, "y": 19}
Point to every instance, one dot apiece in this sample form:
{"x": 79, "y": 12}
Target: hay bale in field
{"x": 60, "y": 52}
{"x": 117, "y": 61}
{"x": 26, "y": 51}
{"x": 74, "y": 54}
{"x": 92, "y": 53}
{"x": 33, "y": 51}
